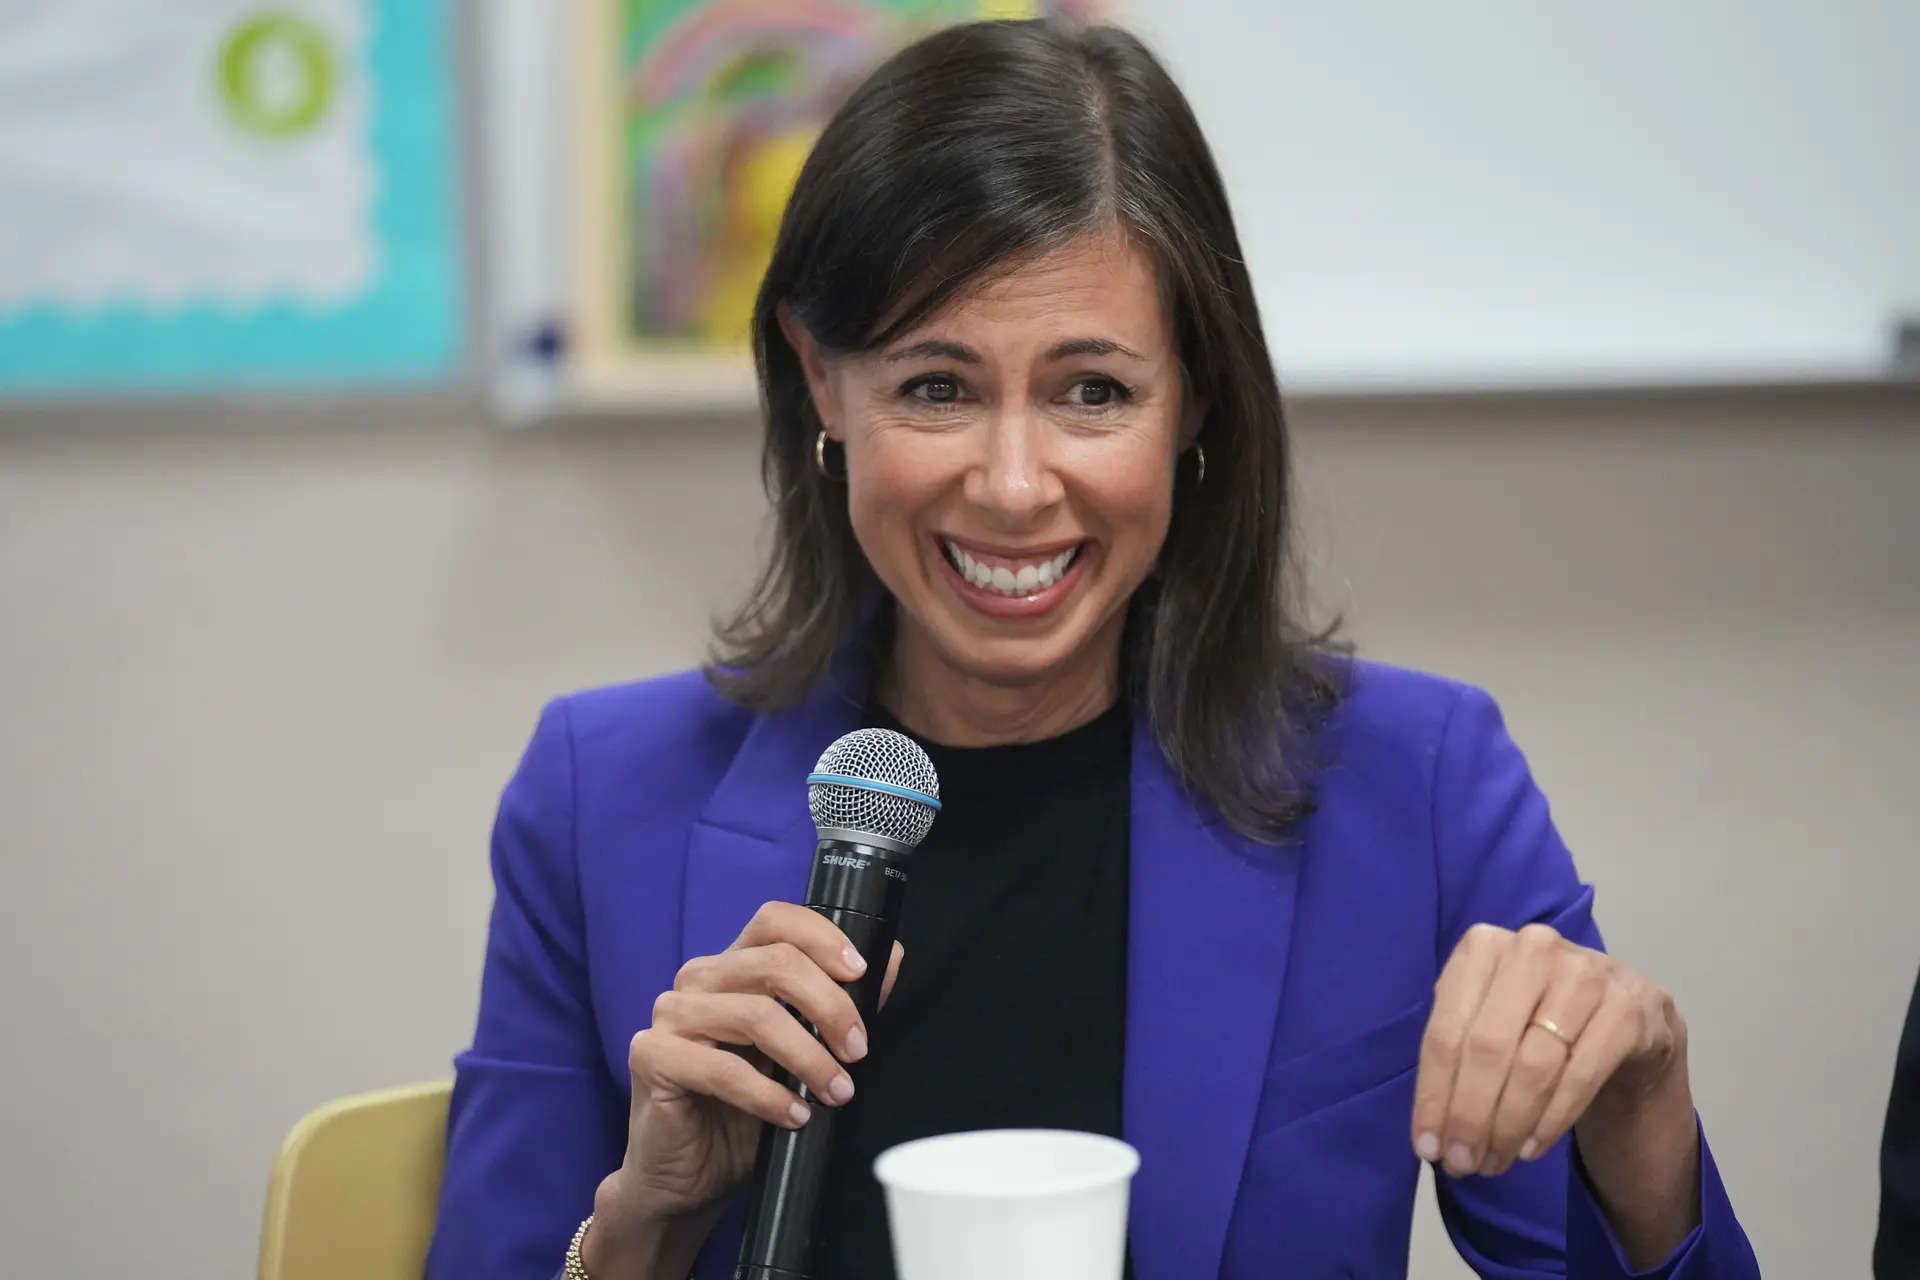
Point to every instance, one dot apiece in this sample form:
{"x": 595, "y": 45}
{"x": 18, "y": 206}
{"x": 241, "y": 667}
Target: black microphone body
{"x": 859, "y": 886}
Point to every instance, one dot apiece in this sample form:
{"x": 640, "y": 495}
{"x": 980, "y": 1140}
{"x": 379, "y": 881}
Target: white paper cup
{"x": 1008, "y": 1204}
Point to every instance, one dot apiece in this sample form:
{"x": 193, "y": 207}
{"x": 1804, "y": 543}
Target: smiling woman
{"x": 1290, "y": 922}
{"x": 1035, "y": 309}
{"x": 1010, "y": 490}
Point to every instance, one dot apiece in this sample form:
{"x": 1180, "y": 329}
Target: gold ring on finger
{"x": 1552, "y": 1028}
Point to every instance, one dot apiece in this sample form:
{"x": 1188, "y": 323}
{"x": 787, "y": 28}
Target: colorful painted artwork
{"x": 212, "y": 193}
{"x": 714, "y": 106}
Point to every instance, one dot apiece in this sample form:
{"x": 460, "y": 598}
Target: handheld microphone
{"x": 873, "y": 797}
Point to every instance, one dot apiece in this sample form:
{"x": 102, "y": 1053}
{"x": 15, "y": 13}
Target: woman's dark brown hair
{"x": 976, "y": 147}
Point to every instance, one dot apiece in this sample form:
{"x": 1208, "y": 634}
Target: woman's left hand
{"x": 1529, "y": 1033}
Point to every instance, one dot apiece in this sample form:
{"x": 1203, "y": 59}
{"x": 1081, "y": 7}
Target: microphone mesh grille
{"x": 877, "y": 755}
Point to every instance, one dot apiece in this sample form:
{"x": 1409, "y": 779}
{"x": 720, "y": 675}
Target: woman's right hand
{"x": 701, "y": 1083}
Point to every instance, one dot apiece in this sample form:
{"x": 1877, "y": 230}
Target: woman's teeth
{"x": 1013, "y": 579}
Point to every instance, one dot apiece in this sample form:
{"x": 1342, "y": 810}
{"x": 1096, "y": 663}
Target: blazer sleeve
{"x": 1500, "y": 861}
{"x": 536, "y": 1119}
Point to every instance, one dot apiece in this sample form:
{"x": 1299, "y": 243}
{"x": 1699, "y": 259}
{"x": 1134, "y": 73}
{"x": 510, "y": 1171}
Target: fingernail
{"x": 840, "y": 1088}
{"x": 855, "y": 961}
{"x": 1490, "y": 1166}
{"x": 856, "y": 1045}
{"x": 799, "y": 1114}
{"x": 1459, "y": 1160}
{"x": 1529, "y": 1149}
{"x": 1427, "y": 1147}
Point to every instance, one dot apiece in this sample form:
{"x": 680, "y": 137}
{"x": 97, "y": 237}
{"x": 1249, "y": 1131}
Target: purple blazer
{"x": 1275, "y": 1002}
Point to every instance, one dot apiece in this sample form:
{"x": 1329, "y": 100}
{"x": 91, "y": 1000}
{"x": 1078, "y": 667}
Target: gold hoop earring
{"x": 820, "y": 453}
{"x": 1200, "y": 456}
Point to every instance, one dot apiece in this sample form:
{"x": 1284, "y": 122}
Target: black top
{"x": 1896, "y": 1251}
{"x": 1010, "y": 1008}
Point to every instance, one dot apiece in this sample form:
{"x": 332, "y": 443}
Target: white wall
{"x": 1488, "y": 194}
{"x": 263, "y": 672}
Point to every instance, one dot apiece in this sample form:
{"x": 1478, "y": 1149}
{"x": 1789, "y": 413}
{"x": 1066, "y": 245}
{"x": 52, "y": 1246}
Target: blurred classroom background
{"x": 368, "y": 376}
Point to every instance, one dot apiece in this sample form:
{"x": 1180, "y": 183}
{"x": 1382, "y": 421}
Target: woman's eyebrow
{"x": 933, "y": 348}
{"x": 1091, "y": 347}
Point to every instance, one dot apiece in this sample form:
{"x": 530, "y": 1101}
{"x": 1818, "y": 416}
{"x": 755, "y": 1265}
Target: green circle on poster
{"x": 278, "y": 74}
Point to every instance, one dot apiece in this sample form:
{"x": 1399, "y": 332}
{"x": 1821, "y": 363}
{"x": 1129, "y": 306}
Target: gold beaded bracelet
{"x": 576, "y": 1269}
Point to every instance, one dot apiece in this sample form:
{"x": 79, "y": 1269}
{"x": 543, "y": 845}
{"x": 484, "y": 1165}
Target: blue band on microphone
{"x": 868, "y": 784}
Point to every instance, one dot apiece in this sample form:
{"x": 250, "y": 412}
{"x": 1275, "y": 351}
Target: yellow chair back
{"x": 355, "y": 1188}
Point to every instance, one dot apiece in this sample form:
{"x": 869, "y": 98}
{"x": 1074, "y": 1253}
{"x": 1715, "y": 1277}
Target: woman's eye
{"x": 1098, "y": 393}
{"x": 935, "y": 389}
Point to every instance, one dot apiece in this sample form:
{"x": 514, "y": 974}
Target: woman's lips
{"x": 1041, "y": 598}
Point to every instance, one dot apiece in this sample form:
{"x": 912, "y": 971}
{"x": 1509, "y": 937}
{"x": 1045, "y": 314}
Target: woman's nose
{"x": 1014, "y": 477}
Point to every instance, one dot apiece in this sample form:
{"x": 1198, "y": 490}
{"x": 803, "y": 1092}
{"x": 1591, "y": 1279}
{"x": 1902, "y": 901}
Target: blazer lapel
{"x": 754, "y": 841}
{"x": 1209, "y": 924}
